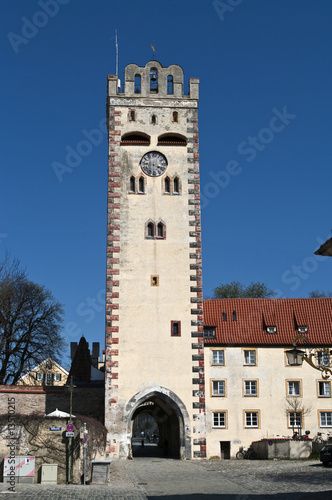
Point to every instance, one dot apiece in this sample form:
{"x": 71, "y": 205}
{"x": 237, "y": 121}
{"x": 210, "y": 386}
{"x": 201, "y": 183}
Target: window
{"x": 250, "y": 388}
{"x": 154, "y": 120}
{"x": 209, "y": 332}
{"x": 218, "y": 357}
{"x": 48, "y": 365}
{"x": 141, "y": 185}
{"x": 271, "y": 329}
{"x": 219, "y": 419}
{"x": 171, "y": 139}
{"x": 154, "y": 80}
{"x": 39, "y": 376}
{"x": 175, "y": 328}
{"x": 132, "y": 184}
{"x": 155, "y": 280}
{"x": 224, "y": 316}
{"x": 294, "y": 419}
{"x": 302, "y": 329}
{"x": 167, "y": 185}
{"x": 160, "y": 230}
{"x": 175, "y": 117}
{"x": 325, "y": 418}
{"x": 218, "y": 387}
{"x": 150, "y": 230}
{"x": 137, "y": 84}
{"x": 234, "y": 315}
{"x": 132, "y": 116}
{"x": 293, "y": 388}
{"x": 251, "y": 419}
{"x": 249, "y": 357}
{"x": 57, "y": 377}
{"x": 323, "y": 358}
{"x": 170, "y": 89}
{"x": 135, "y": 139}
{"x": 49, "y": 378}
{"x": 176, "y": 185}
{"x": 324, "y": 389}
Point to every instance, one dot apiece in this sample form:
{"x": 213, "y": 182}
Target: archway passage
{"x": 156, "y": 429}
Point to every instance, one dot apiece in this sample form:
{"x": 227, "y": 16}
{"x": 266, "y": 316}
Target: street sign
{"x": 85, "y": 438}
{"x": 70, "y": 434}
{"x": 70, "y": 427}
{"x": 55, "y": 428}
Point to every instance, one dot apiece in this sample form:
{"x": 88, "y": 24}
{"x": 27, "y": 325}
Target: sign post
{"x": 85, "y": 439}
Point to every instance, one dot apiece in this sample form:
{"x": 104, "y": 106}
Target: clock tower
{"x": 154, "y": 316}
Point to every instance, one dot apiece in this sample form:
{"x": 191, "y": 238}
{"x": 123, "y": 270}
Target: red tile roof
{"x": 253, "y": 316}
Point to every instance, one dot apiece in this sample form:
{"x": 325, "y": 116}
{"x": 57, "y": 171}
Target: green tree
{"x": 30, "y": 323}
{"x": 236, "y": 290}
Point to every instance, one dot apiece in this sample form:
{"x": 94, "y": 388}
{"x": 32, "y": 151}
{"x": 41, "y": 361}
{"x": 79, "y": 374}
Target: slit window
{"x": 155, "y": 280}
{"x": 160, "y": 230}
{"x": 167, "y": 189}
{"x": 132, "y": 115}
{"x": 137, "y": 84}
{"x": 132, "y": 184}
{"x": 176, "y": 185}
{"x": 150, "y": 230}
{"x": 154, "y": 120}
{"x": 170, "y": 87}
{"x": 175, "y": 328}
{"x": 141, "y": 186}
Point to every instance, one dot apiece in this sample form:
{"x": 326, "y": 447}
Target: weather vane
{"x": 153, "y": 50}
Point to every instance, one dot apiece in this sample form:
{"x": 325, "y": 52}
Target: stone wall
{"x": 88, "y": 400}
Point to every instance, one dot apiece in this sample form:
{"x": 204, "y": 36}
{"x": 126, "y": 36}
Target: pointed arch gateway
{"x": 170, "y": 415}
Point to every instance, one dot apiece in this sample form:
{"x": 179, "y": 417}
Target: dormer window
{"x": 224, "y": 316}
{"x": 234, "y": 315}
{"x": 302, "y": 329}
{"x": 209, "y": 332}
{"x": 271, "y": 329}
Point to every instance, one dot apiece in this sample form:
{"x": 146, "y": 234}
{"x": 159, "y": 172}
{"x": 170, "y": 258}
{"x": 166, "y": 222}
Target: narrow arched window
{"x": 132, "y": 116}
{"x": 160, "y": 230}
{"x": 170, "y": 88}
{"x": 176, "y": 183}
{"x": 141, "y": 186}
{"x": 150, "y": 230}
{"x": 154, "y": 80}
{"x": 167, "y": 189}
{"x": 137, "y": 84}
{"x": 154, "y": 120}
{"x": 175, "y": 117}
{"x": 132, "y": 184}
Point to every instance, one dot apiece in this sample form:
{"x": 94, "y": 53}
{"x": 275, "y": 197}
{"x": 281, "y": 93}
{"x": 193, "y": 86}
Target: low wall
{"x": 282, "y": 448}
{"x": 41, "y": 400}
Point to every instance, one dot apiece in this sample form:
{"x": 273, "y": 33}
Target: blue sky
{"x": 265, "y": 137}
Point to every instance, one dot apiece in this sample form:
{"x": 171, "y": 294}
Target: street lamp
{"x": 295, "y": 357}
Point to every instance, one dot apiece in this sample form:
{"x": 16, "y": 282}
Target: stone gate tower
{"x": 154, "y": 328}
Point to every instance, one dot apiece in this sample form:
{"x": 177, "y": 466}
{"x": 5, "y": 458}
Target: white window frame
{"x": 291, "y": 388}
{"x": 218, "y": 388}
{"x": 248, "y": 386}
{"x": 57, "y": 377}
{"x": 221, "y": 418}
{"x": 247, "y": 357}
{"x": 295, "y": 419}
{"x": 324, "y": 393}
{"x": 323, "y": 358}
{"x": 327, "y": 416}
{"x": 218, "y": 353}
{"x": 39, "y": 376}
{"x": 251, "y": 419}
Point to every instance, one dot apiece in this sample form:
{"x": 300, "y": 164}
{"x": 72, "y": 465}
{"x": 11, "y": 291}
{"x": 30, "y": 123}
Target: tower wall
{"x": 153, "y": 282}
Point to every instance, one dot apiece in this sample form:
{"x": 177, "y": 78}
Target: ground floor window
{"x": 294, "y": 419}
{"x": 325, "y": 418}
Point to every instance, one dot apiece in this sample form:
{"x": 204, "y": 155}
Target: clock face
{"x": 154, "y": 164}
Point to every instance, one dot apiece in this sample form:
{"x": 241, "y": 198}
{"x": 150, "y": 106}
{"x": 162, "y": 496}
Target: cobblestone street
{"x": 154, "y": 477}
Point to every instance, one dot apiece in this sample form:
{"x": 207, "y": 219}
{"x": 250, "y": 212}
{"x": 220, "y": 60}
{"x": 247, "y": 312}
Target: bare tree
{"x": 30, "y": 323}
{"x": 296, "y": 405}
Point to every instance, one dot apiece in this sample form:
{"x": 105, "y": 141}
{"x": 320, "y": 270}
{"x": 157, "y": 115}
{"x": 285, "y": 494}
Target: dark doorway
{"x": 225, "y": 450}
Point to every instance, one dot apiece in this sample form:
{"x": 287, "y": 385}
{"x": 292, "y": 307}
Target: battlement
{"x": 152, "y": 80}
